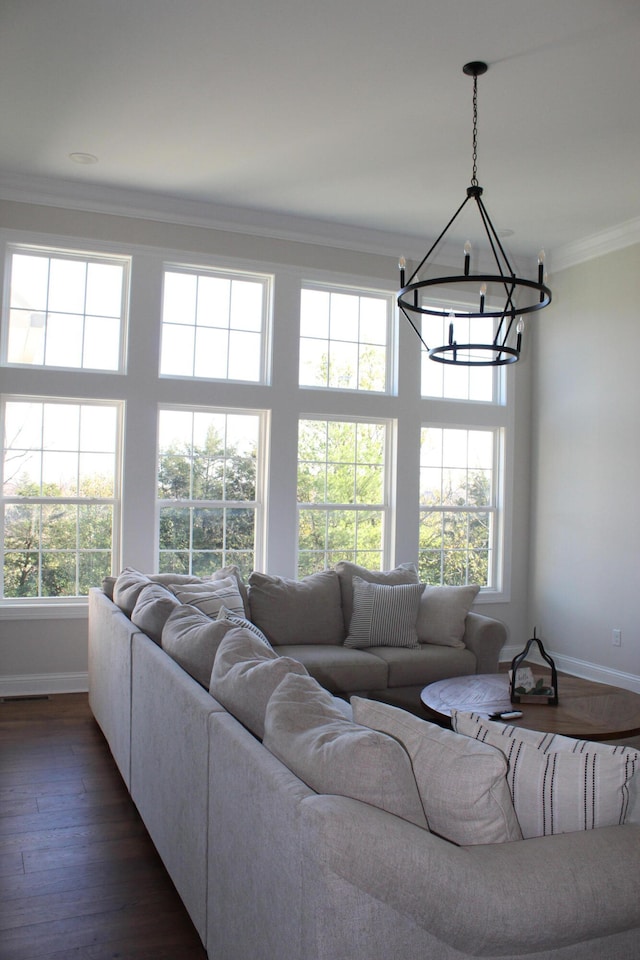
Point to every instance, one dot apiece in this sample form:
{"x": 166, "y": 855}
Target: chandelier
{"x": 488, "y": 306}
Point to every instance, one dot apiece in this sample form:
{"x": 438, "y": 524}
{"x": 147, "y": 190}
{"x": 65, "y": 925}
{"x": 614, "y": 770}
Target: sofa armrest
{"x": 485, "y": 637}
{"x": 505, "y": 899}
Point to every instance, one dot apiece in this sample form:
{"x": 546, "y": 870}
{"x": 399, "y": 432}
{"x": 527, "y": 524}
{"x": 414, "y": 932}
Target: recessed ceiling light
{"x": 83, "y": 158}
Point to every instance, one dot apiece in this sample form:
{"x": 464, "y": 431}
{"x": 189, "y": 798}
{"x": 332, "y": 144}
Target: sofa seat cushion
{"x": 463, "y": 789}
{"x": 245, "y": 673}
{"x": 558, "y": 784}
{"x": 339, "y": 669}
{"x": 404, "y": 573}
{"x": 332, "y": 755}
{"x": 409, "y": 668}
{"x": 297, "y": 611}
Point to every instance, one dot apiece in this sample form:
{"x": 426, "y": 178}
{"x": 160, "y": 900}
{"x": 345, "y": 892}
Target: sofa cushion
{"x": 463, "y": 789}
{"x": 442, "y": 614}
{"x": 560, "y": 785}
{"x": 153, "y": 606}
{"x": 191, "y": 638}
{"x": 127, "y": 588}
{"x": 339, "y": 669}
{"x": 245, "y": 673}
{"x": 384, "y": 615}
{"x": 308, "y": 733}
{"x": 210, "y": 595}
{"x": 234, "y": 620}
{"x": 297, "y": 611}
{"x": 404, "y": 573}
{"x": 417, "y": 668}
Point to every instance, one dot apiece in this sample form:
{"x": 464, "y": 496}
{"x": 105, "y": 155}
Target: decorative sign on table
{"x": 524, "y": 686}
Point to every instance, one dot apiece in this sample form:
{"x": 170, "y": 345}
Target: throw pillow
{"x": 462, "y": 783}
{"x": 153, "y": 606}
{"x": 297, "y": 611}
{"x": 305, "y": 729}
{"x": 560, "y": 785}
{"x": 191, "y": 638}
{"x": 236, "y": 621}
{"x": 404, "y": 573}
{"x": 245, "y": 674}
{"x": 442, "y": 614}
{"x": 384, "y": 616}
{"x": 127, "y": 588}
{"x": 210, "y": 595}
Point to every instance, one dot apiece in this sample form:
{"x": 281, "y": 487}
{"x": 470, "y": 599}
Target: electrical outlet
{"x": 616, "y": 638}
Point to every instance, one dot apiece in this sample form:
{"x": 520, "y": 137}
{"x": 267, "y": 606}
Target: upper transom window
{"x": 66, "y": 309}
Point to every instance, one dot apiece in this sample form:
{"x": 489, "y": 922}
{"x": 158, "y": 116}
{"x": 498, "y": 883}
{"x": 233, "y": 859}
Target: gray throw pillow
{"x": 442, "y": 614}
{"x": 210, "y": 596}
{"x": 307, "y": 731}
{"x": 297, "y": 611}
{"x": 191, "y": 638}
{"x": 153, "y": 606}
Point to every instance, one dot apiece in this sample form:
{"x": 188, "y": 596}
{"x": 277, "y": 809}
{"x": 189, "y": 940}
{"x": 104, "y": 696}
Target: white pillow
{"x": 211, "y": 595}
{"x": 442, "y": 614}
{"x": 462, "y": 783}
{"x": 383, "y": 615}
{"x": 560, "y": 785}
{"x": 308, "y": 732}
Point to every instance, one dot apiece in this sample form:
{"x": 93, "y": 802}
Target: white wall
{"x": 585, "y": 566}
{"x": 49, "y": 654}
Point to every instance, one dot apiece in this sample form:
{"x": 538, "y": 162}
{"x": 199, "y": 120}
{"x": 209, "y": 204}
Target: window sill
{"x": 44, "y": 610}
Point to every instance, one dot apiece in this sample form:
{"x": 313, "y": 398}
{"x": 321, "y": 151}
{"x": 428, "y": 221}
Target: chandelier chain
{"x": 474, "y": 176}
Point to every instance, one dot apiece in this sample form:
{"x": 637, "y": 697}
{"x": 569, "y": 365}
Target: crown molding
{"x": 597, "y": 245}
{"x": 143, "y": 205}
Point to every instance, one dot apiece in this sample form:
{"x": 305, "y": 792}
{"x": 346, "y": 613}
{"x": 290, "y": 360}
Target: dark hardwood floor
{"x": 79, "y": 877}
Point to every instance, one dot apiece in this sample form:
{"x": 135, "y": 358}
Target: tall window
{"x": 344, "y": 339}
{"x": 342, "y": 493}
{"x": 458, "y": 506}
{"x": 209, "y": 490}
{"x": 66, "y": 309}
{"x": 213, "y": 325}
{"x": 60, "y": 496}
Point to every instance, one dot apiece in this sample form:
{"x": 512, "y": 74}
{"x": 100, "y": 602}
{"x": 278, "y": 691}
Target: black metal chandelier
{"x": 503, "y": 298}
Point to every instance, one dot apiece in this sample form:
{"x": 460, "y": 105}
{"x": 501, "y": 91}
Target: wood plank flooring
{"x": 79, "y": 876}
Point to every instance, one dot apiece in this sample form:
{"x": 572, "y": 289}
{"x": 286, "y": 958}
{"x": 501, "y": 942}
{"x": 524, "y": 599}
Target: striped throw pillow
{"x": 384, "y": 615}
{"x": 237, "y": 621}
{"x": 560, "y": 785}
{"x": 210, "y": 595}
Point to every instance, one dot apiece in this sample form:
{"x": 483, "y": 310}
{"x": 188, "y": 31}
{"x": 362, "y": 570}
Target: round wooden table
{"x": 586, "y": 710}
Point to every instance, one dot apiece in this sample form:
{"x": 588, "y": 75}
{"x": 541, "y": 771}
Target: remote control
{"x": 506, "y": 715}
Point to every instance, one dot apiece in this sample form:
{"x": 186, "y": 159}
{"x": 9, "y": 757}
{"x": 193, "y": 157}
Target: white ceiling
{"x": 349, "y": 112}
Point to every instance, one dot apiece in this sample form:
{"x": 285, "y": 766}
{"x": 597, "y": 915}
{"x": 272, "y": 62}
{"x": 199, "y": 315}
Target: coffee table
{"x": 586, "y": 710}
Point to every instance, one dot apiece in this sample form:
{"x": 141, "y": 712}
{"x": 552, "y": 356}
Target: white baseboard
{"x": 33, "y": 684}
{"x": 582, "y": 668}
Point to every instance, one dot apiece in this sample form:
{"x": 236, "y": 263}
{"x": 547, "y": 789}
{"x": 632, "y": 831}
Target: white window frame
{"x": 73, "y": 254}
{"x": 391, "y": 325}
{"x": 258, "y": 505}
{"x": 387, "y": 505}
{"x": 115, "y": 501}
{"x": 203, "y": 270}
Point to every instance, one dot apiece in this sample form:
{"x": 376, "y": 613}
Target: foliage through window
{"x": 342, "y": 493}
{"x": 458, "y": 513}
{"x": 208, "y": 490}
{"x": 60, "y": 492}
{"x": 448, "y": 382}
{"x": 66, "y": 310}
{"x": 343, "y": 340}
{"x": 213, "y": 325}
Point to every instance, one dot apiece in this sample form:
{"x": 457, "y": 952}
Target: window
{"x": 60, "y": 493}
{"x": 343, "y": 340}
{"x": 66, "y": 309}
{"x": 458, "y": 512}
{"x": 342, "y": 493}
{"x": 448, "y": 382}
{"x": 213, "y": 325}
{"x": 209, "y": 490}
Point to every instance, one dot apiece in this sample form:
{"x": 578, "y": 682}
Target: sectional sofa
{"x": 297, "y": 825}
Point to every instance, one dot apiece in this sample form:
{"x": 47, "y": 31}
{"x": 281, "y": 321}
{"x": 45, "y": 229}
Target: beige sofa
{"x": 270, "y": 865}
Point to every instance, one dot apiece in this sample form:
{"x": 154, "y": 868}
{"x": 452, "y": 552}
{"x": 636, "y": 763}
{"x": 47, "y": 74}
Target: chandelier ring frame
{"x": 512, "y": 282}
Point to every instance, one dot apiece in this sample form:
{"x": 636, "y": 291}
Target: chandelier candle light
{"x": 502, "y": 295}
